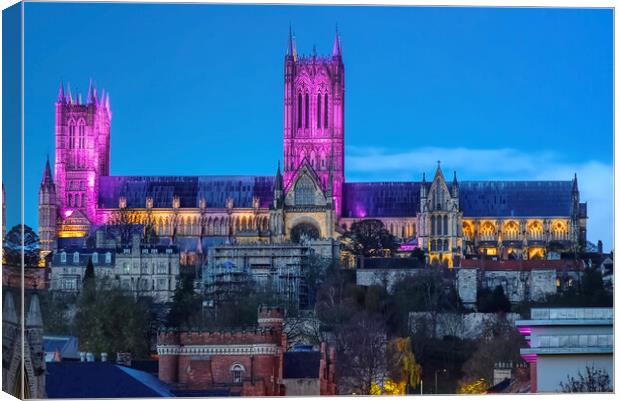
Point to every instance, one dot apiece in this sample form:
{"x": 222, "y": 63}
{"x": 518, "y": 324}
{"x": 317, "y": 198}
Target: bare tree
{"x": 362, "y": 348}
{"x": 594, "y": 381}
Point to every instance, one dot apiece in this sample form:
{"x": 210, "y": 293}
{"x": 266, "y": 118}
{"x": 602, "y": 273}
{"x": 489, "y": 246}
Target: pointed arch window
{"x": 433, "y": 227}
{"x": 445, "y": 225}
{"x": 307, "y": 125}
{"x": 304, "y": 191}
{"x": 299, "y": 110}
{"x": 318, "y": 110}
{"x": 71, "y": 134}
{"x": 81, "y": 130}
{"x": 326, "y": 112}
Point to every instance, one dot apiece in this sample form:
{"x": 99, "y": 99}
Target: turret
{"x": 48, "y": 212}
{"x": 423, "y": 188}
{"x": 278, "y": 189}
{"x": 455, "y": 187}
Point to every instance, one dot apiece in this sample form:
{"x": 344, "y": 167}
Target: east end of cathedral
{"x": 307, "y": 199}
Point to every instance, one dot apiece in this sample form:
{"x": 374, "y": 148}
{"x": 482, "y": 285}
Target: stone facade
{"x": 139, "y": 269}
{"x": 27, "y": 347}
{"x": 461, "y": 325}
{"x": 532, "y": 280}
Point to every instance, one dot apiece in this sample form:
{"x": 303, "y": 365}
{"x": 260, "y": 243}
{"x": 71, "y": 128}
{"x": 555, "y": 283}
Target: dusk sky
{"x": 494, "y": 93}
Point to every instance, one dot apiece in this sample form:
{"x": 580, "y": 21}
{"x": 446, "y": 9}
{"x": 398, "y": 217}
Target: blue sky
{"x": 495, "y": 93}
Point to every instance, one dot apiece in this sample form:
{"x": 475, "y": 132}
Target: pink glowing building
{"x": 308, "y": 197}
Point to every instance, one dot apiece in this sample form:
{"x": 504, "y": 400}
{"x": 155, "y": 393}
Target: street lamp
{"x": 442, "y": 371}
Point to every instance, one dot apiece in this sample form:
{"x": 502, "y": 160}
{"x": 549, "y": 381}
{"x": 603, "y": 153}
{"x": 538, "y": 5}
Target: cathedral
{"x": 308, "y": 196}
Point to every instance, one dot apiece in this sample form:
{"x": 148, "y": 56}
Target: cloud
{"x": 595, "y": 178}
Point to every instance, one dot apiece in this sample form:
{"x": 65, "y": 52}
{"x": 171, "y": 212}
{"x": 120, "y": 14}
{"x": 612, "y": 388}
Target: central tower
{"x": 314, "y": 117}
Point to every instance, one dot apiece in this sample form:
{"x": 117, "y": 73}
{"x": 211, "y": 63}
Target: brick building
{"x": 242, "y": 362}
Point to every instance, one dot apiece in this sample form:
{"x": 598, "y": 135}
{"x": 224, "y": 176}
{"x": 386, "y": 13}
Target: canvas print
{"x": 306, "y": 200}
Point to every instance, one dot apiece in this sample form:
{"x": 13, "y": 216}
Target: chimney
{"x": 599, "y": 247}
{"x": 123, "y": 358}
{"x": 82, "y": 356}
{"x": 104, "y": 357}
{"x": 90, "y": 357}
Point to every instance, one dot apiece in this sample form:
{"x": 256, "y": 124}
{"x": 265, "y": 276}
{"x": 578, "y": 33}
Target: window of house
{"x": 76, "y": 257}
{"x": 63, "y": 257}
{"x": 108, "y": 257}
{"x": 95, "y": 257}
{"x": 237, "y": 372}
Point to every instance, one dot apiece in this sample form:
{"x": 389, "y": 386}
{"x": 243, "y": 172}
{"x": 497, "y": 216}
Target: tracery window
{"x": 511, "y": 230}
{"x": 71, "y": 134}
{"x": 304, "y": 191}
{"x": 433, "y": 227}
{"x": 445, "y": 225}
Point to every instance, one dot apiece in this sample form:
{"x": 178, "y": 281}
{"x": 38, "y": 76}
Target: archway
{"x": 304, "y": 230}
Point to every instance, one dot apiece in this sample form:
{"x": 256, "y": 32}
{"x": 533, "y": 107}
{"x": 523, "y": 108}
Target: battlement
{"x": 183, "y": 338}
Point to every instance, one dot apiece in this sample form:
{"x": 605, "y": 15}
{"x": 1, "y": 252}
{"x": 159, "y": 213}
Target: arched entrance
{"x": 304, "y": 231}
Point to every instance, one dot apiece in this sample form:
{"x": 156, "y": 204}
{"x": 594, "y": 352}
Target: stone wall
{"x": 461, "y": 325}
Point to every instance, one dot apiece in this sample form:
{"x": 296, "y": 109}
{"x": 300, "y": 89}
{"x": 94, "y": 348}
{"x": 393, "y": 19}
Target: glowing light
{"x": 68, "y": 213}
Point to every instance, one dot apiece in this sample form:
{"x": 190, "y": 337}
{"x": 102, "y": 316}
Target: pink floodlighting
{"x": 314, "y": 118}
{"x": 68, "y": 213}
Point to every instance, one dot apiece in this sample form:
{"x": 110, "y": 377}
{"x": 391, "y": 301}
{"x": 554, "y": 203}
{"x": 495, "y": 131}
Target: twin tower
{"x": 313, "y": 135}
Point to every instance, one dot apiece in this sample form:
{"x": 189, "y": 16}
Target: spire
{"x": 575, "y": 186}
{"x": 69, "y": 95}
{"x": 47, "y": 174}
{"x": 33, "y": 319}
{"x": 61, "y": 93}
{"x": 279, "y": 181}
{"x": 455, "y": 187}
{"x": 337, "y": 51}
{"x": 90, "y": 97}
{"x": 290, "y": 51}
{"x": 9, "y": 315}
{"x": 423, "y": 178}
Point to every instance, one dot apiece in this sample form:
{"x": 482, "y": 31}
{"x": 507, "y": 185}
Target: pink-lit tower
{"x": 314, "y": 117}
{"x": 82, "y": 150}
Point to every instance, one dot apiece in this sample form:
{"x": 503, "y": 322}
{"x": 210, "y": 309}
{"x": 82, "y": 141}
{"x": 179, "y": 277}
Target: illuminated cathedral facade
{"x": 308, "y": 196}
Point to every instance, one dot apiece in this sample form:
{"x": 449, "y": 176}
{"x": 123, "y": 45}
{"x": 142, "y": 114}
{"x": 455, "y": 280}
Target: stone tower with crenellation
{"x": 314, "y": 117}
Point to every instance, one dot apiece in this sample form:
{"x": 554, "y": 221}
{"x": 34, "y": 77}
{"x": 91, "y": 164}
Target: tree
{"x": 369, "y": 238}
{"x": 361, "y": 345}
{"x": 123, "y": 222}
{"x": 185, "y": 302}
{"x": 493, "y": 301}
{"x": 594, "y": 381}
{"x": 500, "y": 341}
{"x": 109, "y": 320}
{"x": 13, "y": 246}
{"x": 402, "y": 366}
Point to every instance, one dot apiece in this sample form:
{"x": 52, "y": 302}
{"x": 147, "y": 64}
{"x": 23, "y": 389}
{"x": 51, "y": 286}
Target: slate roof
{"x": 361, "y": 199}
{"x": 215, "y": 190}
{"x": 100, "y": 380}
{"x": 515, "y": 198}
{"x": 476, "y": 198}
{"x": 301, "y": 365}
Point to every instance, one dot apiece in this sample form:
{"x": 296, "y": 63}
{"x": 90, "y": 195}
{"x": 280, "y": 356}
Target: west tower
{"x": 82, "y": 150}
{"x": 314, "y": 117}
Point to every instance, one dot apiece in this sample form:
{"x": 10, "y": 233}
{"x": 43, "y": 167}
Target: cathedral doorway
{"x": 304, "y": 231}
